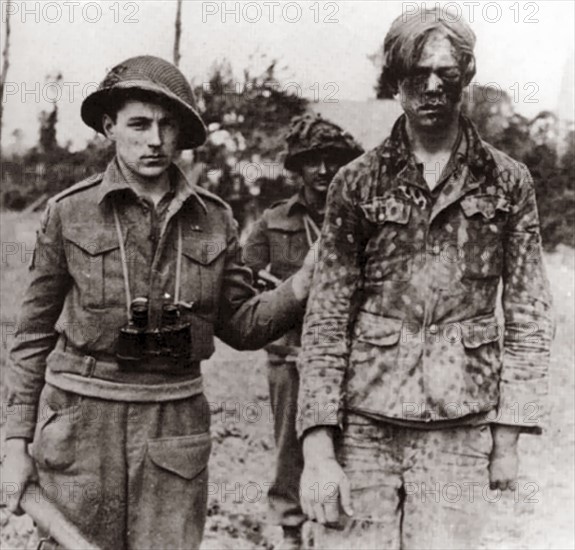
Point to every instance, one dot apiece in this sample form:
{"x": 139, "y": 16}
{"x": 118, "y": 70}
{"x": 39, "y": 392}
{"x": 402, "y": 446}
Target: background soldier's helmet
{"x": 154, "y": 77}
{"x": 312, "y": 133}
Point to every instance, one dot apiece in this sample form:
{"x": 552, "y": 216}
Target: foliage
{"x": 545, "y": 151}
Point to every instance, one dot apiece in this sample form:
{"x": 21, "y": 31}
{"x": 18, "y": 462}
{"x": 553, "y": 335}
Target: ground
{"x": 241, "y": 465}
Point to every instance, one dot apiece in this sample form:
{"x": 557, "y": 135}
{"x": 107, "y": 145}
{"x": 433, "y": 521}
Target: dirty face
{"x": 146, "y": 137}
{"x": 431, "y": 93}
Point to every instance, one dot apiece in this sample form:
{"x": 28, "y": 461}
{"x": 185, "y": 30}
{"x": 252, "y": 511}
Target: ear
{"x": 109, "y": 127}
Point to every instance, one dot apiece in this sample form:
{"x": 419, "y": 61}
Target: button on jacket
{"x": 401, "y": 320}
{"x": 76, "y": 301}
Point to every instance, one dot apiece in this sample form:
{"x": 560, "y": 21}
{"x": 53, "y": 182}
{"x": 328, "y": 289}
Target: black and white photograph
{"x": 287, "y": 275}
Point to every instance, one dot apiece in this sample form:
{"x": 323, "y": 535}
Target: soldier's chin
{"x": 153, "y": 171}
{"x": 321, "y": 187}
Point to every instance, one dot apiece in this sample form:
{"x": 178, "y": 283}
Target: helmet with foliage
{"x": 148, "y": 77}
{"x": 309, "y": 134}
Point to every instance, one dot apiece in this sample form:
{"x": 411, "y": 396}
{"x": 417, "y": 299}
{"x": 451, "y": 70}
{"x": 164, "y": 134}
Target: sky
{"x": 323, "y": 49}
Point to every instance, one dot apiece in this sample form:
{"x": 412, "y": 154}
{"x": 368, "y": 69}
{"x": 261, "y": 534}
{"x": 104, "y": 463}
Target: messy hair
{"x": 407, "y": 36}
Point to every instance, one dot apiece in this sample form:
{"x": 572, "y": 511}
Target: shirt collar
{"x": 114, "y": 181}
{"x": 396, "y": 153}
{"x": 297, "y": 202}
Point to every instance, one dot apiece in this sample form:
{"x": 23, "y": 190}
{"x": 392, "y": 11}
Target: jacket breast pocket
{"x": 484, "y": 219}
{"x": 203, "y": 263}
{"x": 287, "y": 250}
{"x": 95, "y": 263}
{"x": 389, "y": 252}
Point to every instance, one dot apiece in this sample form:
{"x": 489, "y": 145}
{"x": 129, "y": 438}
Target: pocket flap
{"x": 479, "y": 331}
{"x": 377, "y": 330}
{"x": 486, "y": 205}
{"x": 91, "y": 239}
{"x": 387, "y": 209}
{"x": 186, "y": 456}
{"x": 204, "y": 249}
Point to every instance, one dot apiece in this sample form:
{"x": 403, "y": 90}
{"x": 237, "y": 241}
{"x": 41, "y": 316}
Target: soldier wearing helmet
{"x": 278, "y": 243}
{"x": 134, "y": 272}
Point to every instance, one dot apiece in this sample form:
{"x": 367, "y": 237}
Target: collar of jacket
{"x": 297, "y": 202}
{"x": 114, "y": 181}
{"x": 395, "y": 151}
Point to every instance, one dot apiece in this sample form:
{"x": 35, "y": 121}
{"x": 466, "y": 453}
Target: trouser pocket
{"x": 171, "y": 505}
{"x": 54, "y": 444}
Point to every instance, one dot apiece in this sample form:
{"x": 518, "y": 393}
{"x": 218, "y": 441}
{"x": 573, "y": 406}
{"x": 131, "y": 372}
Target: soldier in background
{"x": 279, "y": 242}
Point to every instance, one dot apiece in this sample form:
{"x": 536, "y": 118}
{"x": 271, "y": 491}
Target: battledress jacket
{"x": 401, "y": 321}
{"x": 75, "y": 303}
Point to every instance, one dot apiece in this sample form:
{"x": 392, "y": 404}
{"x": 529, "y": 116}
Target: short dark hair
{"x": 117, "y": 98}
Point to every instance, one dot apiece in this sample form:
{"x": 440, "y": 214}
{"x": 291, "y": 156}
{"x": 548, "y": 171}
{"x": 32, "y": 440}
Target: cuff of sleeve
{"x": 316, "y": 414}
{"x": 521, "y": 411}
{"x": 20, "y": 421}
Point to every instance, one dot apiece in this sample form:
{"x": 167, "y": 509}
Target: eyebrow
{"x": 141, "y": 118}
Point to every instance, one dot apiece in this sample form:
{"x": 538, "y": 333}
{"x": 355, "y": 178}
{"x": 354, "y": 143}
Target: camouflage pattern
{"x": 413, "y": 489}
{"x": 309, "y": 133}
{"x": 401, "y": 318}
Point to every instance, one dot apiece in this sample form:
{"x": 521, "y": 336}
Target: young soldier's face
{"x": 146, "y": 137}
{"x": 318, "y": 170}
{"x": 431, "y": 94}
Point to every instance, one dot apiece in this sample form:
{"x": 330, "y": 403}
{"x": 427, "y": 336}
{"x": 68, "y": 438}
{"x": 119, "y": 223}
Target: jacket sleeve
{"x": 256, "y": 251}
{"x": 325, "y": 340}
{"x": 527, "y": 312}
{"x": 247, "y": 320}
{"x": 36, "y": 334}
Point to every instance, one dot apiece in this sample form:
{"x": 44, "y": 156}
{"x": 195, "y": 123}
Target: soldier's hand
{"x": 324, "y": 485}
{"x": 504, "y": 460}
{"x": 18, "y": 470}
{"x": 301, "y": 282}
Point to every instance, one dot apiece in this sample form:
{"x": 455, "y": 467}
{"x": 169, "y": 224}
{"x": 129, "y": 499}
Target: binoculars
{"x": 138, "y": 343}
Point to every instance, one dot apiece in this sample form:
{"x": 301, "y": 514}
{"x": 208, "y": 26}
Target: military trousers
{"x": 284, "y": 493}
{"x": 411, "y": 488}
{"x": 128, "y": 475}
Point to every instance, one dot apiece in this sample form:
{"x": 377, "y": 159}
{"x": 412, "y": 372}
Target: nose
{"x": 154, "y": 135}
{"x": 433, "y": 83}
{"x": 322, "y": 168}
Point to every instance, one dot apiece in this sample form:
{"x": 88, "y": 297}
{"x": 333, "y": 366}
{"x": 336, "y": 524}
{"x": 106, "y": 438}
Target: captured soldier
{"x": 409, "y": 388}
{"x": 275, "y": 250}
{"x": 134, "y": 272}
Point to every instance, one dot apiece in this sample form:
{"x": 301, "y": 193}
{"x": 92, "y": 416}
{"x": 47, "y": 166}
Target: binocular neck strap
{"x": 311, "y": 229}
{"x": 124, "y": 260}
{"x": 178, "y": 263}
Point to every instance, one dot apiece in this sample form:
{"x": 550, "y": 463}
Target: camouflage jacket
{"x": 75, "y": 303}
{"x": 401, "y": 321}
{"x": 278, "y": 240}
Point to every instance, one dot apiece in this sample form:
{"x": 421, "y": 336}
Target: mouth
{"x": 432, "y": 107}
{"x": 153, "y": 157}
